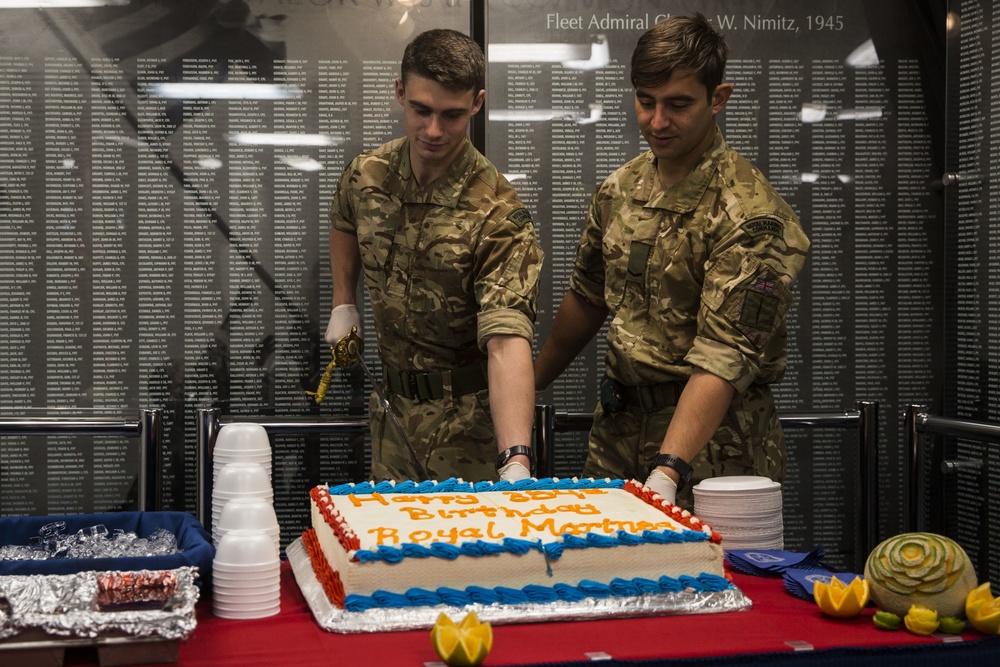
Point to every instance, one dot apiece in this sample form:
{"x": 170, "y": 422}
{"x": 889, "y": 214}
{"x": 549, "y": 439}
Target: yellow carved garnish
{"x": 920, "y": 620}
{"x": 983, "y": 610}
{"x": 840, "y": 601}
{"x": 464, "y": 645}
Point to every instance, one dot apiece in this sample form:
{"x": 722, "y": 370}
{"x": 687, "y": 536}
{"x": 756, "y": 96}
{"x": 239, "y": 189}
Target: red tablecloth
{"x": 293, "y": 637}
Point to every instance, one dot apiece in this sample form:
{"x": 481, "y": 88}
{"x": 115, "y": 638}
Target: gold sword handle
{"x": 345, "y": 353}
{"x": 348, "y": 349}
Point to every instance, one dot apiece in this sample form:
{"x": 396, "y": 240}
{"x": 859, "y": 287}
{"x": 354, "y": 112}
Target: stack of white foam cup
{"x": 246, "y": 568}
{"x": 245, "y": 576}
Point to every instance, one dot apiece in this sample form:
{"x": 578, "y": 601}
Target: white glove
{"x": 513, "y": 472}
{"x": 659, "y": 482}
{"x": 342, "y": 319}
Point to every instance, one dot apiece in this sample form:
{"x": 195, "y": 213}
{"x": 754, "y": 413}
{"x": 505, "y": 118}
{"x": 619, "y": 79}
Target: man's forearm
{"x": 700, "y": 410}
{"x": 345, "y": 266}
{"x": 575, "y": 324}
{"x": 512, "y": 392}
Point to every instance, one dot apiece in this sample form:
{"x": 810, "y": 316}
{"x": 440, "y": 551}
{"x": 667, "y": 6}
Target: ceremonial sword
{"x": 346, "y": 352}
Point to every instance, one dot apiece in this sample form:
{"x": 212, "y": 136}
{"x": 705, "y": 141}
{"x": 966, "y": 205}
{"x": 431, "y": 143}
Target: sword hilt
{"x": 348, "y": 349}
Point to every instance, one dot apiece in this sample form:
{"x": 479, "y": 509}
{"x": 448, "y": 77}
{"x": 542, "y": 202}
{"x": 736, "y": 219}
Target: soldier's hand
{"x": 513, "y": 472}
{"x": 342, "y": 319}
{"x": 659, "y": 482}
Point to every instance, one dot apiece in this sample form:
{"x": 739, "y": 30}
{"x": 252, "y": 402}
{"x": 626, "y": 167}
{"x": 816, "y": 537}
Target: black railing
{"x": 920, "y": 426}
{"x": 210, "y": 420}
{"x": 148, "y": 429}
{"x": 864, "y": 419}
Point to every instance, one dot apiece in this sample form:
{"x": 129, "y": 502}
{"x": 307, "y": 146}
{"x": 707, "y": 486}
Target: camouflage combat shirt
{"x": 448, "y": 265}
{"x": 699, "y": 274}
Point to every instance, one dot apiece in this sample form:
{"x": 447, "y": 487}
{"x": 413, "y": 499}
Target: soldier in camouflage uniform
{"x": 694, "y": 255}
{"x": 451, "y": 263}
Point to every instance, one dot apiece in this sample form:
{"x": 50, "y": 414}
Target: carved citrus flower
{"x": 463, "y": 645}
{"x": 983, "y": 610}
{"x": 920, "y": 568}
{"x": 920, "y": 620}
{"x": 841, "y": 600}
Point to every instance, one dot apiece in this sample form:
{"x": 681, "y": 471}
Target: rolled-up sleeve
{"x": 746, "y": 296}
{"x": 509, "y": 263}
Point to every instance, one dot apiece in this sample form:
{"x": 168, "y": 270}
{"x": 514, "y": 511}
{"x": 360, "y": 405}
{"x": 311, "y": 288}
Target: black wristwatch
{"x": 507, "y": 454}
{"x": 675, "y": 462}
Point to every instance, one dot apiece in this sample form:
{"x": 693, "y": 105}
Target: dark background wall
{"x": 149, "y": 259}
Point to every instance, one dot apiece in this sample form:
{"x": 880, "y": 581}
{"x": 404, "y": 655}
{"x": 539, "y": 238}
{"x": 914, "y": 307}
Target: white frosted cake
{"x": 455, "y": 543}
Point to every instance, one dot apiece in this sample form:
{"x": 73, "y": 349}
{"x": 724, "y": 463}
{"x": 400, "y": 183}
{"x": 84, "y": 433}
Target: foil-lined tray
{"x": 334, "y": 619}
{"x": 69, "y": 606}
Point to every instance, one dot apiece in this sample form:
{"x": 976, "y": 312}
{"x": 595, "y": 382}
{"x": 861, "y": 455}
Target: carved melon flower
{"x": 920, "y": 568}
{"x": 917, "y": 563}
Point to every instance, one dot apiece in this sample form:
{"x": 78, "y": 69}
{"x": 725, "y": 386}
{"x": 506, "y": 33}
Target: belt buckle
{"x": 645, "y": 406}
{"x": 412, "y": 386}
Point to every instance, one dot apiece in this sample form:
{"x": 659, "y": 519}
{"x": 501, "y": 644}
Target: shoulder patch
{"x": 761, "y": 226}
{"x": 519, "y": 217}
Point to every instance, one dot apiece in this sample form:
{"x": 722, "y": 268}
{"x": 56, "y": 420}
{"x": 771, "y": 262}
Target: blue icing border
{"x": 477, "y": 548}
{"x": 618, "y": 587}
{"x": 453, "y": 484}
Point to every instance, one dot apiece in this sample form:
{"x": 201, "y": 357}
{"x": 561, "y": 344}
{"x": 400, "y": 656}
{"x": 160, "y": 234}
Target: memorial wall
{"x": 973, "y": 276}
{"x": 166, "y": 167}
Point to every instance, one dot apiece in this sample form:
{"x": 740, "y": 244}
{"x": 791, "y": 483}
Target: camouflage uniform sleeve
{"x": 746, "y": 296}
{"x": 341, "y": 211}
{"x": 587, "y": 279}
{"x": 508, "y": 262}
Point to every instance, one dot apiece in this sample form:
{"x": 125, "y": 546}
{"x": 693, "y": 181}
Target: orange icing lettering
{"x": 385, "y": 536}
{"x": 579, "y": 509}
{"x": 607, "y": 527}
{"x": 455, "y": 535}
{"x": 589, "y": 510}
{"x": 489, "y": 531}
{"x": 373, "y": 498}
{"x": 464, "y": 513}
{"x": 550, "y": 494}
{"x": 441, "y": 498}
{"x": 416, "y": 513}
{"x": 419, "y": 536}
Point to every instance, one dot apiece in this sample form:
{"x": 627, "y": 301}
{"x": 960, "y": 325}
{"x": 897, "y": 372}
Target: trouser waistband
{"x": 616, "y": 396}
{"x": 417, "y": 385}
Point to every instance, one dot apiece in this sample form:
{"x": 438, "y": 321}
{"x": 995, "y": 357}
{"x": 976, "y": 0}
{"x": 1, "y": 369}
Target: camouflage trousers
{"x": 453, "y": 437}
{"x": 749, "y": 442}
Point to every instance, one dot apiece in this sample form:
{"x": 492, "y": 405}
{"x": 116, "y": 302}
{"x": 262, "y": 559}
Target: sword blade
{"x": 391, "y": 412}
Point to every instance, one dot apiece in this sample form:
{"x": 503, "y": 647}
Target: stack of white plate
{"x": 744, "y": 510}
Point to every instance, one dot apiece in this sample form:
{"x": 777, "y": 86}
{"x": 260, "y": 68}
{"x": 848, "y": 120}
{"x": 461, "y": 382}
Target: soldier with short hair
{"x": 451, "y": 263}
{"x": 694, "y": 255}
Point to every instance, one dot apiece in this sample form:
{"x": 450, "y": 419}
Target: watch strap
{"x": 509, "y": 453}
{"x": 681, "y": 466}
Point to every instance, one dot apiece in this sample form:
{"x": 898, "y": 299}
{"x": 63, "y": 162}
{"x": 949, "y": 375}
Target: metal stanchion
{"x": 150, "y": 441}
{"x": 207, "y": 428}
{"x": 914, "y": 513}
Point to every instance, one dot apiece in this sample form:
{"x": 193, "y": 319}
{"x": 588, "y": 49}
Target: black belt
{"x": 650, "y": 397}
{"x": 416, "y": 385}
{"x": 615, "y": 396}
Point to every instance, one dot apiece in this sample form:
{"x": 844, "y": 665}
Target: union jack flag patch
{"x": 764, "y": 285}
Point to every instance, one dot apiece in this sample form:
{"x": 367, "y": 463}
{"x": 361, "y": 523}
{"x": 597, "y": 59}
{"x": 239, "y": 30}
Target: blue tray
{"x": 193, "y": 540}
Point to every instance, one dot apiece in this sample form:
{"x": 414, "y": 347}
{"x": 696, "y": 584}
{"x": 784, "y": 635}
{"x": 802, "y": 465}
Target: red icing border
{"x": 679, "y": 515}
{"x": 328, "y": 578}
{"x": 344, "y": 534}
